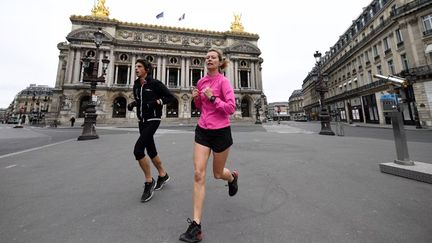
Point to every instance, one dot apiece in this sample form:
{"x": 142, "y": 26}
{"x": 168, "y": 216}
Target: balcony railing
{"x": 427, "y": 32}
{"x": 418, "y": 71}
{"x": 409, "y": 6}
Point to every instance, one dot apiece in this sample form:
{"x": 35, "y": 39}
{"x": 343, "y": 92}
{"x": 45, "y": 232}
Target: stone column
{"x": 236, "y": 76}
{"x": 133, "y": 77}
{"x": 253, "y": 76}
{"x": 69, "y": 68}
{"x": 159, "y": 68}
{"x": 115, "y": 74}
{"x": 183, "y": 72}
{"x": 59, "y": 81}
{"x": 164, "y": 70}
{"x": 129, "y": 75}
{"x": 77, "y": 67}
{"x": 110, "y": 72}
{"x": 188, "y": 82}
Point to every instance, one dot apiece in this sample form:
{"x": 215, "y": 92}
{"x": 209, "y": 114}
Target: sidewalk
{"x": 386, "y": 126}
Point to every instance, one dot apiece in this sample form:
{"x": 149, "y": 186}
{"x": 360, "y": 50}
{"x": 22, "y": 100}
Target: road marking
{"x": 36, "y": 148}
{"x": 10, "y": 166}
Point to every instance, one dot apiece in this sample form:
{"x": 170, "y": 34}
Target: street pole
{"x": 321, "y": 88}
{"x": 89, "y": 127}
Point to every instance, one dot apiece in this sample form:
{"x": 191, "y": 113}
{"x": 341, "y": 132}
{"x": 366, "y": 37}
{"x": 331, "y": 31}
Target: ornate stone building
{"x": 295, "y": 103}
{"x": 390, "y": 37}
{"x": 33, "y": 102}
{"x": 177, "y": 55}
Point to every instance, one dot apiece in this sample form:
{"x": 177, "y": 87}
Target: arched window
{"x": 245, "y": 107}
{"x": 119, "y": 107}
{"x": 194, "y": 111}
{"x": 83, "y": 106}
{"x": 172, "y": 109}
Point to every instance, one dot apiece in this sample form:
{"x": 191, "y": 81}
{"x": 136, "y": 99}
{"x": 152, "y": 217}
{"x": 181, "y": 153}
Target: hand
{"x": 131, "y": 105}
{"x": 195, "y": 92}
{"x": 208, "y": 92}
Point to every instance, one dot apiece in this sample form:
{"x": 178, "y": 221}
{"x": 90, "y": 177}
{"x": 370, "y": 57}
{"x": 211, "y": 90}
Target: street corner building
{"x": 178, "y": 58}
{"x": 390, "y": 38}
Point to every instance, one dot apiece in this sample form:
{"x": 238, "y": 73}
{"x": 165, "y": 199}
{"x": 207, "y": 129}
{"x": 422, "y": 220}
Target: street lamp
{"x": 320, "y": 80}
{"x": 91, "y": 77}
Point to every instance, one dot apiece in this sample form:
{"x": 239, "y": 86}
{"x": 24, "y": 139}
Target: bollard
{"x": 400, "y": 139}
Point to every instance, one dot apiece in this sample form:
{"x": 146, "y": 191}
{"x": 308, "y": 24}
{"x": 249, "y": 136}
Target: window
{"x": 379, "y": 69}
{"x": 404, "y": 62}
{"x": 243, "y": 64}
{"x": 173, "y": 60}
{"x": 149, "y": 59}
{"x": 172, "y": 109}
{"x": 391, "y": 67}
{"x": 244, "y": 79}
{"x": 194, "y": 111}
{"x": 196, "y": 62}
{"x": 427, "y": 21}
{"x": 386, "y": 44}
{"x": 196, "y": 74}
{"x": 91, "y": 53}
{"x": 123, "y": 57}
{"x": 370, "y": 76}
{"x": 375, "y": 50}
{"x": 122, "y": 74}
{"x": 399, "y": 37}
{"x": 393, "y": 10}
{"x": 173, "y": 77}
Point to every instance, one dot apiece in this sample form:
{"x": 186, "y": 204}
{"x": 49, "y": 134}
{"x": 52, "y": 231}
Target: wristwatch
{"x": 212, "y": 98}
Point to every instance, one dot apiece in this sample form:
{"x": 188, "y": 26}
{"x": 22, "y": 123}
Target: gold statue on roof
{"x": 237, "y": 26}
{"x": 100, "y": 10}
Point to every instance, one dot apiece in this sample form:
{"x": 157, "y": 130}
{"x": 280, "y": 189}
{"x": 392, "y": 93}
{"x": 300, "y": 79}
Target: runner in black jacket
{"x": 150, "y": 96}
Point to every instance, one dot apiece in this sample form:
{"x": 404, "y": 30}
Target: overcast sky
{"x": 290, "y": 32}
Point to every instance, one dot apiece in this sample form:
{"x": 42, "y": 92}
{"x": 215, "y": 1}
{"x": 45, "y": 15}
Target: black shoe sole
{"x": 189, "y": 240}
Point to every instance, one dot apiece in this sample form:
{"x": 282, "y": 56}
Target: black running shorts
{"x": 217, "y": 140}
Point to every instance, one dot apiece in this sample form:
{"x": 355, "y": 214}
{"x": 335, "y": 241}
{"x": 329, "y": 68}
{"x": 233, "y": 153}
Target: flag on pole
{"x": 160, "y": 15}
{"x": 182, "y": 17}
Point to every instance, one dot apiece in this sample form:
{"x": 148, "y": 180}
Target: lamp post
{"x": 320, "y": 80}
{"x": 91, "y": 77}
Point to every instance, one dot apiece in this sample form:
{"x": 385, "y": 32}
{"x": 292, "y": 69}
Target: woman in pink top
{"x": 214, "y": 96}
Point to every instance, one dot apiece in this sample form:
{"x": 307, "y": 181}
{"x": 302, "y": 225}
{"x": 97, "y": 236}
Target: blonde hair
{"x": 222, "y": 59}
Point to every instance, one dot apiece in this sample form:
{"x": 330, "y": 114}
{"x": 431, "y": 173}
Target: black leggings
{"x": 145, "y": 141}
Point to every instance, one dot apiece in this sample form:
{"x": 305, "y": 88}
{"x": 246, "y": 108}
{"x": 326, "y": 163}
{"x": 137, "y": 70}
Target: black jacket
{"x": 146, "y": 97}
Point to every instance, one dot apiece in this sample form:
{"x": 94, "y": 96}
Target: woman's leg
{"x": 219, "y": 170}
{"x": 201, "y": 155}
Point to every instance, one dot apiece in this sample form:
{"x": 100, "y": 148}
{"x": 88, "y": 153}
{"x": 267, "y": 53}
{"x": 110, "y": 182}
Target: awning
{"x": 428, "y": 48}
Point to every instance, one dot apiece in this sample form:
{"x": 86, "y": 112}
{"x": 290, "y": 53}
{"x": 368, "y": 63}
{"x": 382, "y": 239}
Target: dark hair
{"x": 221, "y": 58}
{"x": 147, "y": 66}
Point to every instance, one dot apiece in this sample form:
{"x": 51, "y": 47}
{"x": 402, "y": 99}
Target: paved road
{"x": 19, "y": 139}
{"x": 295, "y": 186}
